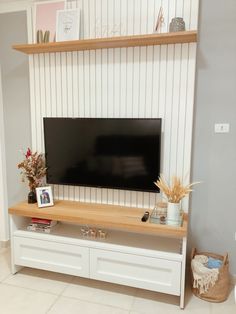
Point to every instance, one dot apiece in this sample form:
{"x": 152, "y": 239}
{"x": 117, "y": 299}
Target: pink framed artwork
{"x": 45, "y": 13}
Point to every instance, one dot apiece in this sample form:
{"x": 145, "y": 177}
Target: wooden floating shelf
{"x": 102, "y": 215}
{"x": 114, "y": 42}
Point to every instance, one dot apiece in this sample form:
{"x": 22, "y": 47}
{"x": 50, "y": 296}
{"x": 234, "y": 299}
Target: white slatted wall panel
{"x": 155, "y": 81}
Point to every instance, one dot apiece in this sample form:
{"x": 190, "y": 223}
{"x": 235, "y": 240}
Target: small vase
{"x": 32, "y": 197}
{"x": 173, "y": 213}
{"x": 177, "y": 24}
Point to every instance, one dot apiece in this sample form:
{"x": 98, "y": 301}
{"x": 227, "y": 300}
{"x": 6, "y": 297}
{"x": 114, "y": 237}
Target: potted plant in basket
{"x": 174, "y": 192}
{"x": 33, "y": 169}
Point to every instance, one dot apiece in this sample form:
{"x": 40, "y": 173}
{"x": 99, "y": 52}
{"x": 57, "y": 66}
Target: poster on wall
{"x": 68, "y": 25}
{"x": 45, "y": 13}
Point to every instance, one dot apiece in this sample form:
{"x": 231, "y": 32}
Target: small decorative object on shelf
{"x": 159, "y": 213}
{"x": 32, "y": 197}
{"x": 162, "y": 220}
{"x": 45, "y": 19}
{"x": 160, "y": 209}
{"x": 44, "y": 196}
{"x": 177, "y": 24}
{"x": 68, "y": 25}
{"x": 42, "y": 37}
{"x": 33, "y": 169}
{"x": 174, "y": 193}
{"x": 41, "y": 225}
{"x": 93, "y": 233}
{"x": 160, "y": 21}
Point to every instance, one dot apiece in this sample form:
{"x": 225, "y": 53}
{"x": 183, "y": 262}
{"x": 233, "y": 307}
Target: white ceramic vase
{"x": 173, "y": 213}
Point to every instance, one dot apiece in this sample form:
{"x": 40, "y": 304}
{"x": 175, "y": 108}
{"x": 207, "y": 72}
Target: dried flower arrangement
{"x": 33, "y": 169}
{"x": 175, "y": 191}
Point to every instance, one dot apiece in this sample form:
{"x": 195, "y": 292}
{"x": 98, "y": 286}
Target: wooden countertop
{"x": 103, "y": 215}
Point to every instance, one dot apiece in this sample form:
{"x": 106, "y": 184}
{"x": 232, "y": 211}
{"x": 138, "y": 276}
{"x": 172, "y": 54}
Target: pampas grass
{"x": 174, "y": 191}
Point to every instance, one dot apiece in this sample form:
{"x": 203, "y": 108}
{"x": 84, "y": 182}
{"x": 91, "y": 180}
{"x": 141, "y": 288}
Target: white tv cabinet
{"x": 135, "y": 253}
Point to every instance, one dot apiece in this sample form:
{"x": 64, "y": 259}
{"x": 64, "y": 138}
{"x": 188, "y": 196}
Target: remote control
{"x": 145, "y": 216}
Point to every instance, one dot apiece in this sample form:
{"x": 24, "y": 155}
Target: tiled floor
{"x": 34, "y": 291}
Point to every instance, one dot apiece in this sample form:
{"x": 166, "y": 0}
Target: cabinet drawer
{"x": 138, "y": 271}
{"x": 53, "y": 256}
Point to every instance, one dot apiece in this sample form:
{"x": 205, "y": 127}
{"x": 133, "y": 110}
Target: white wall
{"x": 8, "y": 6}
{"x": 155, "y": 81}
{"x": 4, "y": 226}
{"x": 16, "y": 107}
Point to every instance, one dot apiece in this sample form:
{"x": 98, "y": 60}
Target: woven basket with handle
{"x": 220, "y": 291}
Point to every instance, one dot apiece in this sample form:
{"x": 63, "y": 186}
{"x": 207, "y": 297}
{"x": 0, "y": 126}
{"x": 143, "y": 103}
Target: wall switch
{"x": 221, "y": 127}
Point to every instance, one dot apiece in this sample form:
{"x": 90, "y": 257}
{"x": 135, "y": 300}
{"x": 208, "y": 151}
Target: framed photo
{"x": 44, "y": 196}
{"x": 68, "y": 25}
{"x": 45, "y": 13}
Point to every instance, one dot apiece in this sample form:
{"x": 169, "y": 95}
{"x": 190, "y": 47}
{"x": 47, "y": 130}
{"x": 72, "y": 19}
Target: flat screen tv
{"x": 106, "y": 153}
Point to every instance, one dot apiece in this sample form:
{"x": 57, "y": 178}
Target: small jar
{"x": 177, "y": 24}
{"x": 161, "y": 210}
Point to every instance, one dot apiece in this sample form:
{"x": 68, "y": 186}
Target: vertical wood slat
{"x": 182, "y": 108}
{"x": 53, "y": 100}
{"x": 32, "y": 101}
{"x": 74, "y": 84}
{"x": 37, "y": 104}
{"x": 175, "y": 110}
{"x": 58, "y": 84}
{"x": 140, "y": 82}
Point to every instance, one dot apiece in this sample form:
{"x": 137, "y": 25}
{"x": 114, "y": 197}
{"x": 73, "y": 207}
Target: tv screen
{"x": 106, "y": 153}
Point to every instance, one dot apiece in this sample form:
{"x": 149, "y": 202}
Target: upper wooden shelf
{"x": 102, "y": 215}
{"x": 114, "y": 42}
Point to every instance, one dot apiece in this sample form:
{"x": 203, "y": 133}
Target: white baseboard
{"x": 4, "y": 244}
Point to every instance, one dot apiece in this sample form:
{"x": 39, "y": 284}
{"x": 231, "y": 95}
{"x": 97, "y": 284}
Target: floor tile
{"x": 194, "y": 303}
{"x": 227, "y": 307}
{"x": 152, "y": 302}
{"x": 40, "y": 280}
{"x": 191, "y": 311}
{"x": 81, "y": 288}
{"x": 173, "y": 311}
{"x": 115, "y": 295}
{"x": 15, "y": 300}
{"x": 101, "y": 292}
{"x": 74, "y": 306}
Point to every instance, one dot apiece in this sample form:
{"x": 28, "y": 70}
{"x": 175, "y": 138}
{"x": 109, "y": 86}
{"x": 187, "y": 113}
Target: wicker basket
{"x": 220, "y": 291}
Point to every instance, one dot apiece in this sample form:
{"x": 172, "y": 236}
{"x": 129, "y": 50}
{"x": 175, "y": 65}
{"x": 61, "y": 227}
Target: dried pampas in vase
{"x": 174, "y": 192}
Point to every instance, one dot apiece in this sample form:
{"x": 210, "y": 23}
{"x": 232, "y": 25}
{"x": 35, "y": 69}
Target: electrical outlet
{"x": 221, "y": 127}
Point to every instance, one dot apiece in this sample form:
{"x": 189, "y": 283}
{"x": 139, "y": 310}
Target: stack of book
{"x": 42, "y": 225}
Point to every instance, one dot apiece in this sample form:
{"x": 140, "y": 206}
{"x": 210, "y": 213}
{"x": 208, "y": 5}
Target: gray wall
{"x": 213, "y": 214}
{"x": 16, "y": 103}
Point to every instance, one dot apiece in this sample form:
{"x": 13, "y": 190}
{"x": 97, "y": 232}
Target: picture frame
{"x": 44, "y": 18}
{"x": 44, "y": 196}
{"x": 68, "y": 25}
